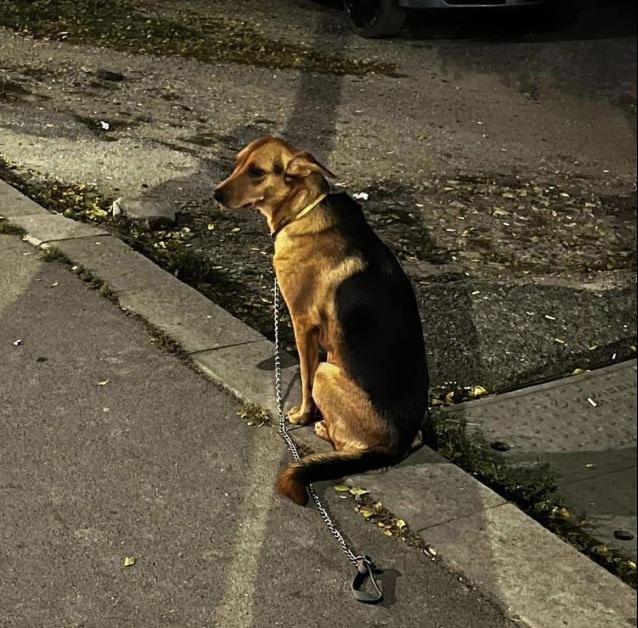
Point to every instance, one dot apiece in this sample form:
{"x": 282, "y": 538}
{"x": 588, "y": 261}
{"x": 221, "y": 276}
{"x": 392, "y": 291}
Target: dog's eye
{"x": 255, "y": 172}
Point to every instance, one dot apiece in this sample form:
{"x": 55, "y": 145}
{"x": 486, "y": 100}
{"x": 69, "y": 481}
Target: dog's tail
{"x": 292, "y": 480}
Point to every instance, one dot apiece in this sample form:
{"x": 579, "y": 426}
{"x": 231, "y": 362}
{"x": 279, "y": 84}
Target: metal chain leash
{"x": 365, "y": 567}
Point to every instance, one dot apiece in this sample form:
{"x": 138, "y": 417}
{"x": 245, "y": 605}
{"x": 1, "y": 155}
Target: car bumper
{"x": 466, "y": 4}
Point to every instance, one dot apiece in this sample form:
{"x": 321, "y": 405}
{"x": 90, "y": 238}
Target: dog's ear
{"x": 303, "y": 164}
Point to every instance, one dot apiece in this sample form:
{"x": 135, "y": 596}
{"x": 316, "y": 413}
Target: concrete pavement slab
{"x": 175, "y": 308}
{"x": 153, "y": 465}
{"x": 43, "y": 228}
{"x": 593, "y": 408}
{"x": 608, "y": 503}
{"x": 425, "y": 489}
{"x": 584, "y": 426}
{"x": 14, "y": 203}
{"x": 188, "y": 317}
{"x": 500, "y": 538}
{"x": 445, "y": 491}
{"x": 116, "y": 262}
{"x": 247, "y": 370}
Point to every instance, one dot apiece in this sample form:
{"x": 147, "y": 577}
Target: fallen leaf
{"x": 357, "y": 491}
{"x": 104, "y": 383}
{"x": 18, "y": 342}
{"x": 562, "y": 512}
{"x": 129, "y": 561}
{"x": 366, "y": 512}
{"x": 477, "y": 391}
{"x": 400, "y": 524}
{"x": 601, "y": 549}
{"x": 341, "y": 488}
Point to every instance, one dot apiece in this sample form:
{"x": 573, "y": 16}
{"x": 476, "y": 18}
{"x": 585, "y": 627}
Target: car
{"x": 384, "y": 18}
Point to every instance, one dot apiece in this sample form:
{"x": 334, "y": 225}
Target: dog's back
{"x": 382, "y": 338}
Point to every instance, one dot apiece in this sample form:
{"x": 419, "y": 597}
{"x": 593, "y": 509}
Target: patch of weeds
{"x": 194, "y": 267}
{"x": 73, "y": 200}
{"x": 532, "y": 489}
{"x": 53, "y": 254}
{"x": 8, "y": 228}
{"x": 373, "y": 511}
{"x": 165, "y": 342}
{"x": 449, "y": 393}
{"x": 106, "y": 291}
{"x": 88, "y": 278}
{"x": 129, "y": 26}
{"x": 254, "y": 414}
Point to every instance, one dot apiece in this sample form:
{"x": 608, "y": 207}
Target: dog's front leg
{"x": 307, "y": 341}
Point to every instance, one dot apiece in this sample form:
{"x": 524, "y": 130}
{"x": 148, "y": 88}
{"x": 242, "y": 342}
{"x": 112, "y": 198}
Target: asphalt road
{"x": 505, "y": 146}
{"x": 112, "y": 448}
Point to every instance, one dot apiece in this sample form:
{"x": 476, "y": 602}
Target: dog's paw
{"x": 298, "y": 416}
{"x": 321, "y": 430}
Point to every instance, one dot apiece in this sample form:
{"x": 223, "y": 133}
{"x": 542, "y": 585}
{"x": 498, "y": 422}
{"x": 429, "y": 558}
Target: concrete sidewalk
{"x": 584, "y": 426}
{"x": 537, "y": 579}
{"x": 112, "y": 448}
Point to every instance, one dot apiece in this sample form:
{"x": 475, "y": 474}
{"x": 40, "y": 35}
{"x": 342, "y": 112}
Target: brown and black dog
{"x": 348, "y": 295}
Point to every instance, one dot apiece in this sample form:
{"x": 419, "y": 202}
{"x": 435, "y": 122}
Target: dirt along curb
{"x": 534, "y": 575}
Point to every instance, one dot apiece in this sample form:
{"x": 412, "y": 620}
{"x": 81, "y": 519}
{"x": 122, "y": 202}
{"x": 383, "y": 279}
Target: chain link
{"x": 291, "y": 445}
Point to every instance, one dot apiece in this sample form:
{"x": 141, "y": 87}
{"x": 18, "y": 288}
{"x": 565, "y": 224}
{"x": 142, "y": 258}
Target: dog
{"x": 347, "y": 296}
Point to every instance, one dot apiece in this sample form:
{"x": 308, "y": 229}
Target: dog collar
{"x": 307, "y": 209}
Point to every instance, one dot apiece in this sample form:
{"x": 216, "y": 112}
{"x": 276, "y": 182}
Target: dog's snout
{"x": 220, "y": 196}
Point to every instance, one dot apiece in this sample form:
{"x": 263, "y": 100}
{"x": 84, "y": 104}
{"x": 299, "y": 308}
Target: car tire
{"x": 374, "y": 18}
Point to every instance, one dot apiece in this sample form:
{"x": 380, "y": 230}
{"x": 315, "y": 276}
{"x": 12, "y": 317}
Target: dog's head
{"x": 269, "y": 174}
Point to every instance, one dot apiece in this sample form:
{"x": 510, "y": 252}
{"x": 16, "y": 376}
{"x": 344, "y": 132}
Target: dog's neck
{"x": 295, "y": 206}
{"x": 285, "y": 221}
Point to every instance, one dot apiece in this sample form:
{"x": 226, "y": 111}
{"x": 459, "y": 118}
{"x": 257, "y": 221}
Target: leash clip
{"x": 366, "y": 569}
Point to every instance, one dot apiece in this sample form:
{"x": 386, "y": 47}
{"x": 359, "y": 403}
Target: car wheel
{"x": 374, "y": 18}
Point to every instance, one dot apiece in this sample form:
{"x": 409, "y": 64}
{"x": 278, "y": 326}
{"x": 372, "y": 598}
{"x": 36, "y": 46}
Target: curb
{"x": 534, "y": 575}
